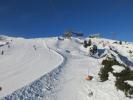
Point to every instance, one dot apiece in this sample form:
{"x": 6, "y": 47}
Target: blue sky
{"x": 38, "y": 18}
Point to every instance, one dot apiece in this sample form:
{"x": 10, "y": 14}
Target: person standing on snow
{"x": 2, "y": 52}
{"x": 34, "y": 47}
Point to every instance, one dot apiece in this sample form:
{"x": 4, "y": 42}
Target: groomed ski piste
{"x": 53, "y": 69}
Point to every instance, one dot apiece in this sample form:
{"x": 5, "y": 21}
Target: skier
{"x": 0, "y": 88}
{"x": 8, "y": 45}
{"x": 2, "y": 52}
{"x": 34, "y": 47}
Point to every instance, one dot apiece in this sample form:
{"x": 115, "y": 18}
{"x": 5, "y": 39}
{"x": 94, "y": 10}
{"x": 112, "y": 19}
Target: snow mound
{"x": 117, "y": 68}
{"x": 129, "y": 82}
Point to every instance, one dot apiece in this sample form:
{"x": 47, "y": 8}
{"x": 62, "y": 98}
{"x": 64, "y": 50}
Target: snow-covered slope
{"x": 21, "y": 64}
{"x": 52, "y": 69}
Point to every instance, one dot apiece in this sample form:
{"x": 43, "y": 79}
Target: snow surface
{"x": 117, "y": 69}
{"x": 21, "y": 64}
{"x": 129, "y": 82}
{"x": 41, "y": 69}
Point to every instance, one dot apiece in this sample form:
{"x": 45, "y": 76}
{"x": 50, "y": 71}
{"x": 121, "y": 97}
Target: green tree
{"x": 89, "y": 42}
{"x": 85, "y": 44}
{"x": 79, "y": 34}
{"x": 120, "y": 42}
{"x": 68, "y": 34}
